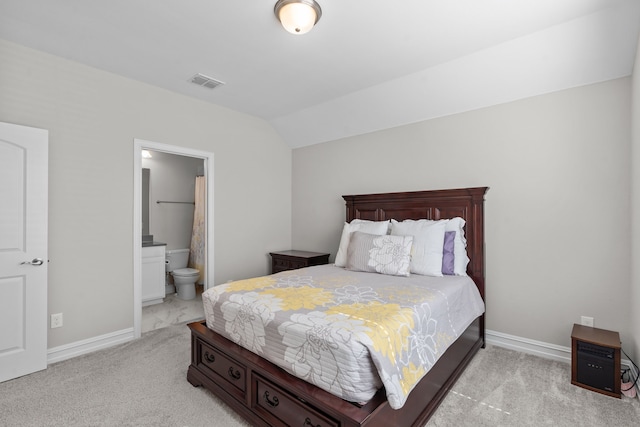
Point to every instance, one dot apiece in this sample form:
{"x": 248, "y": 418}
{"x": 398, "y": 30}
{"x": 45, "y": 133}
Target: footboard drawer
{"x": 280, "y": 408}
{"x": 231, "y": 371}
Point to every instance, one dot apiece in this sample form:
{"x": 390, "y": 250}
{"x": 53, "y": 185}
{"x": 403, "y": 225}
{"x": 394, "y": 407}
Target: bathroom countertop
{"x": 145, "y": 244}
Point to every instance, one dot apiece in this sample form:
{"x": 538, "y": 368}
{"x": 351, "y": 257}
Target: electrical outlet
{"x": 56, "y": 320}
{"x": 584, "y": 320}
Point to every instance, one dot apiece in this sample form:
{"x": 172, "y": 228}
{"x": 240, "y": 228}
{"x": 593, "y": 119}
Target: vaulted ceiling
{"x": 367, "y": 65}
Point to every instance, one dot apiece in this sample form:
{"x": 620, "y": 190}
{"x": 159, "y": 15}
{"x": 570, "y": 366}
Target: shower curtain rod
{"x": 164, "y": 201}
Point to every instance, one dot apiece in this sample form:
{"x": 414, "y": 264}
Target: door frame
{"x": 138, "y": 146}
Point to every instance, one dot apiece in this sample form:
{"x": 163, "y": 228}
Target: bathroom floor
{"x": 172, "y": 311}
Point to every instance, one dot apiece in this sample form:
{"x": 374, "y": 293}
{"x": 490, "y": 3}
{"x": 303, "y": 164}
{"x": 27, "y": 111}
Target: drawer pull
{"x": 234, "y": 375}
{"x": 307, "y": 423}
{"x": 272, "y": 402}
{"x": 209, "y": 357}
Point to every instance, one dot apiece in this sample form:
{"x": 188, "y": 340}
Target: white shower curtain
{"x": 198, "y": 241}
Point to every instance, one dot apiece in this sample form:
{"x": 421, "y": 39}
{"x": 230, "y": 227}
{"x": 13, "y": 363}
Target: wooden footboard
{"x": 266, "y": 395}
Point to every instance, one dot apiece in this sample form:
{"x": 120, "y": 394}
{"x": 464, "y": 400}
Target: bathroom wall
{"x": 172, "y": 178}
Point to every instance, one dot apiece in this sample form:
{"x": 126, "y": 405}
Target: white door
{"x": 23, "y": 250}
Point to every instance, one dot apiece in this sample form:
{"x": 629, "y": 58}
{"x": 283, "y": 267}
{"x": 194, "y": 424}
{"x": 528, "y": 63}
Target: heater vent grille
{"x": 205, "y": 81}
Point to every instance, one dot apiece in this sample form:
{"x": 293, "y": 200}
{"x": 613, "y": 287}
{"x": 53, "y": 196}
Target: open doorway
{"x": 138, "y": 227}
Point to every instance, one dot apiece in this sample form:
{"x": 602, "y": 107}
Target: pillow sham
{"x": 428, "y": 242}
{"x": 371, "y": 227}
{"x": 448, "y": 256}
{"x": 384, "y": 254}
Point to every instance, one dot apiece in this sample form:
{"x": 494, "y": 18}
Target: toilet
{"x": 183, "y": 278}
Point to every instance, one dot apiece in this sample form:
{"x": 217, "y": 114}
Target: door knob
{"x": 35, "y": 261}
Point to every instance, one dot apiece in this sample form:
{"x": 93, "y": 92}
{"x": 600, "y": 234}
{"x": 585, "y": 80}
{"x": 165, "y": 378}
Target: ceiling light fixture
{"x": 297, "y": 16}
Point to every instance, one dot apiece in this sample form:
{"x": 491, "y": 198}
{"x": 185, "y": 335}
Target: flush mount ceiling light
{"x": 298, "y": 16}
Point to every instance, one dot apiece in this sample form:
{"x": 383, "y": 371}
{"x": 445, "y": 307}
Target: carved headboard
{"x": 467, "y": 203}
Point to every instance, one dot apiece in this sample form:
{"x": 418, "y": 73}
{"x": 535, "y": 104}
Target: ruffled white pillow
{"x": 428, "y": 242}
{"x": 415, "y": 227}
{"x": 372, "y": 227}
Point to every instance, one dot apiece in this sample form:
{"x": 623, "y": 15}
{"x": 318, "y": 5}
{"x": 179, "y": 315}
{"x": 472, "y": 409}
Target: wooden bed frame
{"x": 266, "y": 395}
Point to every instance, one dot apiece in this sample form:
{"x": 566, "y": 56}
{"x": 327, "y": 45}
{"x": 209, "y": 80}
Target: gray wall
{"x": 557, "y": 211}
{"x": 172, "y": 178}
{"x": 93, "y": 117}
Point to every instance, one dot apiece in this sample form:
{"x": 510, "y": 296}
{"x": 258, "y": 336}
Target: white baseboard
{"x": 542, "y": 349}
{"x": 78, "y": 348}
{"x": 525, "y": 345}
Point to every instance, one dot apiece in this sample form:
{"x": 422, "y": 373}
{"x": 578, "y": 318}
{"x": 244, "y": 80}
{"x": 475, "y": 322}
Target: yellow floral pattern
{"x": 349, "y": 333}
{"x": 251, "y": 284}
{"x": 410, "y": 376}
{"x": 303, "y": 297}
{"x": 388, "y": 324}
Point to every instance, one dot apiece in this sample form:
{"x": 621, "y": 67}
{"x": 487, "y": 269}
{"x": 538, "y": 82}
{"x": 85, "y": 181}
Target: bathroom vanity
{"x": 153, "y": 273}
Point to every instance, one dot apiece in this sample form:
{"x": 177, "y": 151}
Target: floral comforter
{"x": 346, "y": 332}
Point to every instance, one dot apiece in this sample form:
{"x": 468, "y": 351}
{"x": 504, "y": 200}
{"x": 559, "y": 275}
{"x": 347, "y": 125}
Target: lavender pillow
{"x": 448, "y": 257}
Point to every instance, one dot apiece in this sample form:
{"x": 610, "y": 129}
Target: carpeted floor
{"x": 143, "y": 383}
{"x": 507, "y": 388}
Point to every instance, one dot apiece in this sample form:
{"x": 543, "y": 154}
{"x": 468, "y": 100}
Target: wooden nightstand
{"x": 595, "y": 360}
{"x": 291, "y": 260}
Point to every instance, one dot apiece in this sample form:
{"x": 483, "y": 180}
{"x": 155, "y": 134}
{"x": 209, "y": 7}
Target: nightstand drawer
{"x": 292, "y": 260}
{"x": 282, "y": 264}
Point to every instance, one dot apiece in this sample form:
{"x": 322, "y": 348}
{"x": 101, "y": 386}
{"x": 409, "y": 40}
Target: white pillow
{"x": 379, "y": 254}
{"x": 461, "y": 259}
{"x": 372, "y": 227}
{"x": 428, "y": 241}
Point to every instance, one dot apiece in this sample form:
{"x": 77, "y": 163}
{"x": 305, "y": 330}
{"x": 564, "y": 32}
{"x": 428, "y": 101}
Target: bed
{"x": 267, "y": 395}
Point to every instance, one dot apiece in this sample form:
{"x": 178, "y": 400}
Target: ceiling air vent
{"x": 206, "y": 81}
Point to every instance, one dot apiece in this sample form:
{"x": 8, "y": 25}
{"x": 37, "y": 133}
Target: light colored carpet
{"x": 140, "y": 383}
{"x": 507, "y": 388}
{"x": 143, "y": 383}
